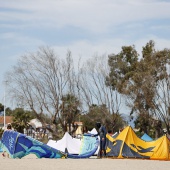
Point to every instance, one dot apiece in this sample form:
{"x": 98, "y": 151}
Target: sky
{"x": 85, "y": 27}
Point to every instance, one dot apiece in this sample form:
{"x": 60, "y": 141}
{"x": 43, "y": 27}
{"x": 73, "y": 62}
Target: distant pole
{"x": 5, "y": 105}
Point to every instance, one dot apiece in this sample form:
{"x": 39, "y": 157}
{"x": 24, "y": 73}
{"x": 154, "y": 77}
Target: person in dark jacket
{"x": 102, "y": 133}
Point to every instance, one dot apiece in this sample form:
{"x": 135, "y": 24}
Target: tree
{"x": 94, "y": 115}
{"x": 112, "y": 122}
{"x": 69, "y": 112}
{"x": 122, "y": 67}
{"x": 21, "y": 119}
{"x": 156, "y": 85}
{"x": 100, "y": 100}
{"x": 92, "y": 84}
{"x": 147, "y": 124}
{"x": 8, "y": 111}
{"x": 39, "y": 81}
{"x": 144, "y": 82}
{"x": 1, "y": 107}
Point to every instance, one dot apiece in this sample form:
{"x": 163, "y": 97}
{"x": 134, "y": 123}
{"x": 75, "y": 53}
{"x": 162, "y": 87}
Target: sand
{"x": 31, "y": 162}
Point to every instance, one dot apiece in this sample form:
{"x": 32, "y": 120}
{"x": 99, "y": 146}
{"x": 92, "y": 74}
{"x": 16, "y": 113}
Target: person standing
{"x": 102, "y": 133}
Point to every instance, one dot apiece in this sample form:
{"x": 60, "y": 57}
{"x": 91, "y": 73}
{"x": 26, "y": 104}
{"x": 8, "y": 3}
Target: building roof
{"x": 8, "y": 119}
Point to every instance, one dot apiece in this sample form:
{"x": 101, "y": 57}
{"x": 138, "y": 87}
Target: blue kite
{"x": 18, "y": 145}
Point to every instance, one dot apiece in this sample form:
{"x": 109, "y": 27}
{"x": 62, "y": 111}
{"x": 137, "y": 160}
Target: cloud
{"x": 87, "y": 49}
{"x": 15, "y": 41}
{"x": 95, "y": 16}
{"x": 86, "y": 27}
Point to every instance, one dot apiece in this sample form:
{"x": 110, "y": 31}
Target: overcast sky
{"x": 85, "y": 27}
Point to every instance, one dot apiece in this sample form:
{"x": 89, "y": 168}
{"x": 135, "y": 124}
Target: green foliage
{"x": 96, "y": 114}
{"x": 69, "y": 108}
{"x": 143, "y": 82}
{"x": 147, "y": 124}
{"x": 100, "y": 113}
{"x": 1, "y": 107}
{"x": 116, "y": 122}
{"x": 122, "y": 66}
{"x": 143, "y": 123}
{"x": 8, "y": 111}
{"x": 69, "y": 112}
{"x": 21, "y": 119}
{"x": 139, "y": 134}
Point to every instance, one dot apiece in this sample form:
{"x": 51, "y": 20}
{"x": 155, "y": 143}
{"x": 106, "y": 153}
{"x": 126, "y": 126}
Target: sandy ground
{"x": 31, "y": 162}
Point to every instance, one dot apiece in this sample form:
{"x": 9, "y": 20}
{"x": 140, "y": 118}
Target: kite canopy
{"x": 128, "y": 145}
{"x": 0, "y": 146}
{"x": 19, "y": 145}
{"x": 76, "y": 148}
{"x": 89, "y": 145}
{"x": 73, "y": 145}
{"x": 67, "y": 143}
{"x": 146, "y": 137}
